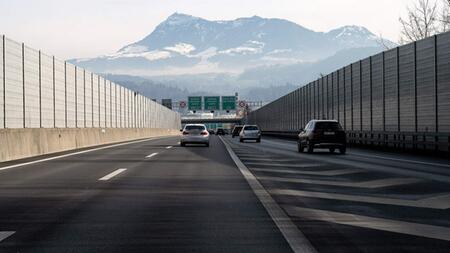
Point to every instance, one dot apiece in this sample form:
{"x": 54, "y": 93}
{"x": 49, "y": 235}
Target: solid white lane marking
{"x": 151, "y": 155}
{"x": 441, "y": 202}
{"x": 402, "y": 227}
{"x": 379, "y": 183}
{"x": 315, "y": 173}
{"x": 5, "y": 234}
{"x": 169, "y": 147}
{"x": 76, "y": 153}
{"x": 112, "y": 174}
{"x": 297, "y": 241}
{"x": 306, "y": 165}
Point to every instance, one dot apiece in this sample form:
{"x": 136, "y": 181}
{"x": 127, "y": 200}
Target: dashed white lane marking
{"x": 151, "y": 155}
{"x": 315, "y": 173}
{"x": 441, "y": 202}
{"x": 75, "y": 153}
{"x": 169, "y": 147}
{"x": 402, "y": 227}
{"x": 379, "y": 183}
{"x": 306, "y": 165}
{"x": 297, "y": 241}
{"x": 5, "y": 234}
{"x": 112, "y": 174}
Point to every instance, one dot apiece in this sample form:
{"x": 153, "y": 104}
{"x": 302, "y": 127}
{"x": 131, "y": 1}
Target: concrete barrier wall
{"x": 28, "y": 142}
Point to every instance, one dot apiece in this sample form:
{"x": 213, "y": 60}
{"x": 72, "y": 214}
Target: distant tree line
{"x": 425, "y": 18}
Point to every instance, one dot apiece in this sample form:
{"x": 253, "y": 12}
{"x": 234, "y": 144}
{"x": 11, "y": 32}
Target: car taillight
{"x": 204, "y": 133}
{"x": 185, "y": 133}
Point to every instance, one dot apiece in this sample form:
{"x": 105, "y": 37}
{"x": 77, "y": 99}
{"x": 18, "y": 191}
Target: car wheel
{"x": 310, "y": 147}
{"x": 300, "y": 147}
{"x": 182, "y": 144}
{"x": 207, "y": 144}
{"x": 343, "y": 150}
{"x": 258, "y": 140}
{"x": 241, "y": 140}
{"x": 332, "y": 150}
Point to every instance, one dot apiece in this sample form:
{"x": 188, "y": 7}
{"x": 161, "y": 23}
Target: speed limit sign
{"x": 182, "y": 104}
{"x": 242, "y": 104}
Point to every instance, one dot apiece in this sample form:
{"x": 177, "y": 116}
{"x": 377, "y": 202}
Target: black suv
{"x": 322, "y": 134}
{"x": 236, "y": 130}
{"x": 220, "y": 131}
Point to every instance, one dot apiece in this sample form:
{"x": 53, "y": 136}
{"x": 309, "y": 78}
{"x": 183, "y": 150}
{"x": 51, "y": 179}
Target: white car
{"x": 250, "y": 132}
{"x": 194, "y": 134}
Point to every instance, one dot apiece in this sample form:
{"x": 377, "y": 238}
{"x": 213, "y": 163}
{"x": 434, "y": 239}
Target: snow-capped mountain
{"x": 186, "y": 44}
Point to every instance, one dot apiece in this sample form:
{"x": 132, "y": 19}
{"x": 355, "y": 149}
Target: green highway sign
{"x": 195, "y": 103}
{"x": 228, "y": 103}
{"x": 212, "y": 103}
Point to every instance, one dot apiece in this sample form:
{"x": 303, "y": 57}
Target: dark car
{"x": 211, "y": 131}
{"x": 220, "y": 131}
{"x": 322, "y": 134}
{"x": 236, "y": 130}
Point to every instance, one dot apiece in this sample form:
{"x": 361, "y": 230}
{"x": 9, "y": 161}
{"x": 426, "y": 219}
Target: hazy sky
{"x": 88, "y": 28}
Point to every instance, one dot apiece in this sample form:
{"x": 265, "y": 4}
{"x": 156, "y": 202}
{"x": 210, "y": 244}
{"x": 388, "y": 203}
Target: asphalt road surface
{"x": 154, "y": 196}
{"x": 124, "y": 199}
{"x": 365, "y": 201}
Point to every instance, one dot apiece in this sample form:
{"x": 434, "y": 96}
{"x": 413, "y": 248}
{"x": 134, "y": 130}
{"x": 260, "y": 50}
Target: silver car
{"x": 195, "y": 134}
{"x": 250, "y": 132}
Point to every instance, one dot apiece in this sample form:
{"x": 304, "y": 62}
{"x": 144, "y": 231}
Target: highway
{"x": 154, "y": 196}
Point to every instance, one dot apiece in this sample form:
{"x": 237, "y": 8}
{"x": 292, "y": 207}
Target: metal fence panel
{"x": 356, "y": 94}
{"x": 377, "y": 92}
{"x": 443, "y": 81}
{"x": 96, "y": 100}
{"x": 31, "y": 82}
{"x": 108, "y": 106}
{"x": 335, "y": 96}
{"x": 60, "y": 94}
{"x": 391, "y": 90}
{"x": 88, "y": 98}
{"x": 406, "y": 85}
{"x": 348, "y": 98}
{"x": 70, "y": 96}
{"x": 341, "y": 97}
{"x": 14, "y": 115}
{"x": 425, "y": 86}
{"x": 102, "y": 103}
{"x": 80, "y": 98}
{"x": 47, "y": 94}
{"x": 365, "y": 94}
{"x": 2, "y": 90}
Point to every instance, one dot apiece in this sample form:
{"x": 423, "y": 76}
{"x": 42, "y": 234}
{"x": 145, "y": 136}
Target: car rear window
{"x": 251, "y": 128}
{"x": 200, "y": 128}
{"x": 328, "y": 126}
